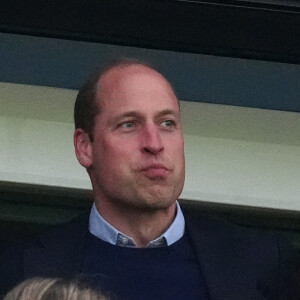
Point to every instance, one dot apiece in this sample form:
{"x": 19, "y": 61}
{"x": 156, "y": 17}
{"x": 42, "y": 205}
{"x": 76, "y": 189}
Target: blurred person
{"x": 53, "y": 289}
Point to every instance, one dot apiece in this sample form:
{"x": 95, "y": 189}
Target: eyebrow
{"x": 135, "y": 114}
{"x": 132, "y": 114}
{"x": 168, "y": 112}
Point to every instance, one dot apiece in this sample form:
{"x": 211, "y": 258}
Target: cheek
{"x": 175, "y": 146}
{"x": 117, "y": 155}
{"x": 176, "y": 155}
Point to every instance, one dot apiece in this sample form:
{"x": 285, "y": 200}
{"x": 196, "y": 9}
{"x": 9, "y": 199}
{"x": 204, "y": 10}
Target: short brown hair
{"x": 86, "y": 108}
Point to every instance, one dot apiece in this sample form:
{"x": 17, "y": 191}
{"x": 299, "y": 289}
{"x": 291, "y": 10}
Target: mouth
{"x": 155, "y": 171}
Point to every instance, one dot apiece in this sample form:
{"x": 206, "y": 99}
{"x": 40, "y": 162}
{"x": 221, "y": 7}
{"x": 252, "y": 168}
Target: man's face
{"x": 138, "y": 150}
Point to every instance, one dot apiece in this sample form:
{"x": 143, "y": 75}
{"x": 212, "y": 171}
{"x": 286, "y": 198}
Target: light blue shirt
{"x": 103, "y": 230}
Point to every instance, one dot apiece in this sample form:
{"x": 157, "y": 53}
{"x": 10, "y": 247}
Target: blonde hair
{"x": 53, "y": 289}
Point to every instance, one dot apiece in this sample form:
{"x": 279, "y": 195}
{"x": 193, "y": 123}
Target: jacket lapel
{"x": 222, "y": 262}
{"x": 57, "y": 253}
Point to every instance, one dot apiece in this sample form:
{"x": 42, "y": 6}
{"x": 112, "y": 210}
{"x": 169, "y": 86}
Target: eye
{"x": 168, "y": 123}
{"x": 127, "y": 125}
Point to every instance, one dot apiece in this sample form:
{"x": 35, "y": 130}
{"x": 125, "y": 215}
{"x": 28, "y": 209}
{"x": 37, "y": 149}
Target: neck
{"x": 143, "y": 225}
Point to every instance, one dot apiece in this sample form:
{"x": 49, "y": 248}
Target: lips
{"x": 155, "y": 171}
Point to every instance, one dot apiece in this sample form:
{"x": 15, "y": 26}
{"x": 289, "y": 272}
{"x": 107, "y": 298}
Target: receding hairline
{"x": 125, "y": 66}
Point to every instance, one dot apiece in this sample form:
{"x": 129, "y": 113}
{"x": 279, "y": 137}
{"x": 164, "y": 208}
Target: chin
{"x": 157, "y": 202}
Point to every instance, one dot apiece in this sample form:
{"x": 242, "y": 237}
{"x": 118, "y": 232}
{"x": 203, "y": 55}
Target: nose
{"x": 151, "y": 140}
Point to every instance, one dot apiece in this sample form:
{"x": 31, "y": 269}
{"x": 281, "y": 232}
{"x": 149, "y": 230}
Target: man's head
{"x": 130, "y": 139}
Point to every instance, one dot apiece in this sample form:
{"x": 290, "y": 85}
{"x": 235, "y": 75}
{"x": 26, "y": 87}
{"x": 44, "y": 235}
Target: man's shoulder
{"x": 25, "y": 257}
{"x": 57, "y": 234}
{"x": 67, "y": 230}
{"x": 223, "y": 228}
{"x": 250, "y": 254}
{"x": 250, "y": 244}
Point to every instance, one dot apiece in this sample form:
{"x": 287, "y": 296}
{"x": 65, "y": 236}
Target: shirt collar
{"x": 103, "y": 230}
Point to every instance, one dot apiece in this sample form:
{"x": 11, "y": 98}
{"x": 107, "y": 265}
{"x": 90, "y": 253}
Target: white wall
{"x": 234, "y": 155}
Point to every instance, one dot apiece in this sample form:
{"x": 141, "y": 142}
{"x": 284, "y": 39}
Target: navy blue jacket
{"x": 237, "y": 262}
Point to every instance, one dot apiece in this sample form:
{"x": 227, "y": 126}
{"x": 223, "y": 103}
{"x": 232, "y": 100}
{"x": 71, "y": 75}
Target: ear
{"x": 83, "y": 148}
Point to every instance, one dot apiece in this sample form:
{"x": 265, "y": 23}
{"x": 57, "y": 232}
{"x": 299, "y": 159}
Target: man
{"x": 134, "y": 151}
{"x": 139, "y": 245}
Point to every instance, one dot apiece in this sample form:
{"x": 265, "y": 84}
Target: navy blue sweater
{"x": 145, "y": 273}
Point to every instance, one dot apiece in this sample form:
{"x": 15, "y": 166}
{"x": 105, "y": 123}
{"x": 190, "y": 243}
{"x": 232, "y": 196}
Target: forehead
{"x": 135, "y": 85}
